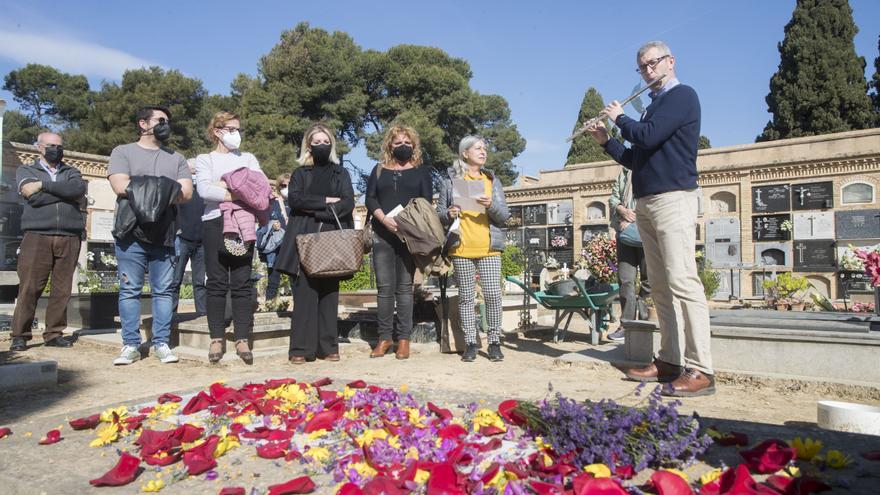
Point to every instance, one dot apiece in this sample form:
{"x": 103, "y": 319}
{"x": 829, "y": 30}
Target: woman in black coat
{"x": 321, "y": 183}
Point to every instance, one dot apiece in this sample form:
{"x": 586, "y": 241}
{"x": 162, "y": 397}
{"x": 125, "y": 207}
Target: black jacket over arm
{"x": 308, "y": 210}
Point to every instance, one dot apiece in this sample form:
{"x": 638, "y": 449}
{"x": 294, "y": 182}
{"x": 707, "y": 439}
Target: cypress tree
{"x": 820, "y": 84}
{"x": 584, "y": 149}
{"x": 875, "y": 85}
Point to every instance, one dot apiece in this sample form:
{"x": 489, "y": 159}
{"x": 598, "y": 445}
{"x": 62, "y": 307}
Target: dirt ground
{"x": 88, "y": 382}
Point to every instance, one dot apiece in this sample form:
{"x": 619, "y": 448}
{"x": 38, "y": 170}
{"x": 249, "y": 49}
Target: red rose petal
{"x": 490, "y": 445}
{"x": 87, "y": 423}
{"x": 624, "y": 472}
{"x": 507, "y": 410}
{"x": 324, "y": 420}
{"x": 303, "y": 484}
{"x": 293, "y": 455}
{"x": 271, "y": 450}
{"x": 152, "y": 441}
{"x": 488, "y": 431}
{"x": 201, "y": 457}
{"x": 542, "y": 488}
{"x": 349, "y": 489}
{"x": 270, "y": 384}
{"x": 52, "y": 436}
{"x": 452, "y": 431}
{"x": 667, "y": 483}
{"x": 768, "y": 457}
{"x": 796, "y": 486}
{"x": 199, "y": 402}
{"x": 444, "y": 480}
{"x": 586, "y": 484}
{"x": 4, "y": 432}
{"x": 439, "y": 411}
{"x": 169, "y": 398}
{"x": 124, "y": 472}
{"x": 381, "y": 485}
{"x": 323, "y": 382}
{"x": 188, "y": 433}
{"x": 232, "y": 490}
{"x": 357, "y": 384}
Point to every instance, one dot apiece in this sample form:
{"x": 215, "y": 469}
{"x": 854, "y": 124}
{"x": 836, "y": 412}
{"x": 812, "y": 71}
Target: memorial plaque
{"x": 535, "y": 214}
{"x": 561, "y": 237}
{"x": 564, "y": 256}
{"x": 560, "y": 212}
{"x": 773, "y": 254}
{"x": 101, "y": 226}
{"x": 516, "y": 212}
{"x": 769, "y": 228}
{"x": 723, "y": 246}
{"x": 853, "y": 283}
{"x": 769, "y": 199}
{"x": 813, "y": 225}
{"x": 537, "y": 258}
{"x": 514, "y": 237}
{"x": 812, "y": 196}
{"x": 857, "y": 224}
{"x": 536, "y": 238}
{"x": 590, "y": 231}
{"x": 815, "y": 256}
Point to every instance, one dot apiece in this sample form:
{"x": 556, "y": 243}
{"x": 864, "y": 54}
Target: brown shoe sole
{"x": 651, "y": 379}
{"x": 710, "y": 390}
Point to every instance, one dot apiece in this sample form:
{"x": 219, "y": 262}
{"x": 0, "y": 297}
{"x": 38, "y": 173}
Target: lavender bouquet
{"x": 606, "y": 432}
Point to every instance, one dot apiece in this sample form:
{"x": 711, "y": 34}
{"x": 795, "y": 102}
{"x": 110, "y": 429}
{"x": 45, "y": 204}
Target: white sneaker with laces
{"x": 164, "y": 354}
{"x": 129, "y": 354}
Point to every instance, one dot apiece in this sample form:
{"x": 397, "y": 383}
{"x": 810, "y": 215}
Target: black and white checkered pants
{"x": 489, "y": 269}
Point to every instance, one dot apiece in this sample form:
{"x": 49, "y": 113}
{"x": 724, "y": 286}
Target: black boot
{"x": 470, "y": 354}
{"x": 18, "y": 344}
{"x": 495, "y": 353}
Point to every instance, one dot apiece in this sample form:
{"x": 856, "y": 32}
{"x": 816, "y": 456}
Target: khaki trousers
{"x": 667, "y": 224}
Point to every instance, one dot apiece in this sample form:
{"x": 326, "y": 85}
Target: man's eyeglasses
{"x": 651, "y": 63}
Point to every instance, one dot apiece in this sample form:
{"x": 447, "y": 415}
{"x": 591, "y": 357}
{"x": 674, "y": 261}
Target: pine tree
{"x": 875, "y": 85}
{"x": 820, "y": 84}
{"x": 584, "y": 148}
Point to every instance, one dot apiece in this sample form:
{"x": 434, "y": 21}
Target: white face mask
{"x": 284, "y": 193}
{"x": 231, "y": 140}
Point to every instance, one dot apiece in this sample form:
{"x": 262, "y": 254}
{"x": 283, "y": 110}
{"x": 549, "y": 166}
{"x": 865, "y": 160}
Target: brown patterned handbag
{"x": 332, "y": 254}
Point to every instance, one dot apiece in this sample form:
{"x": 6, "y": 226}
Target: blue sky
{"x": 540, "y": 56}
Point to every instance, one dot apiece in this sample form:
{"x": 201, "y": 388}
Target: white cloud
{"x": 67, "y": 54}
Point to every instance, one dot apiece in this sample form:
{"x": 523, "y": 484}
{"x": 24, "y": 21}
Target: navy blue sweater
{"x": 663, "y": 155}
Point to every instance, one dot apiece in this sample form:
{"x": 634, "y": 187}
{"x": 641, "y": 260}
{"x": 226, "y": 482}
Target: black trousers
{"x": 394, "y": 279}
{"x": 313, "y": 329}
{"x": 230, "y": 274}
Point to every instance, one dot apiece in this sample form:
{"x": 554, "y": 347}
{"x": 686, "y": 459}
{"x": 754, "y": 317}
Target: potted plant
{"x": 785, "y": 290}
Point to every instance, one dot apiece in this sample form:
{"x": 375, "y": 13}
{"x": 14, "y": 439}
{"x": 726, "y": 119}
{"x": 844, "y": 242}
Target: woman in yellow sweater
{"x": 476, "y": 242}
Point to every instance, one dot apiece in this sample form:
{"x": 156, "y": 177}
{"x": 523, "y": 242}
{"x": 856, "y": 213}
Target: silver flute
{"x": 599, "y": 117}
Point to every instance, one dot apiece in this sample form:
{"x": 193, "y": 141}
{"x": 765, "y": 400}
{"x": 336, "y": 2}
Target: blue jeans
{"x": 192, "y": 251}
{"x": 134, "y": 258}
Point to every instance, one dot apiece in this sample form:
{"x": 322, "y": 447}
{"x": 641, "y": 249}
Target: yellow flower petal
{"x": 710, "y": 476}
{"x": 153, "y": 486}
{"x": 598, "y": 470}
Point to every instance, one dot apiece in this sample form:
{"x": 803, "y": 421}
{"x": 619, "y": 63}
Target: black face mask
{"x": 402, "y": 153}
{"x": 54, "y": 154}
{"x": 162, "y": 131}
{"x": 320, "y": 153}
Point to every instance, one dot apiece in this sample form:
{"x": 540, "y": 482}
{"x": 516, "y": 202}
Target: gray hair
{"x": 659, "y": 45}
{"x": 459, "y": 166}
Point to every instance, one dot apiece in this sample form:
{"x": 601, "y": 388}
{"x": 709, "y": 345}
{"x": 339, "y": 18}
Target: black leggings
{"x": 227, "y": 274}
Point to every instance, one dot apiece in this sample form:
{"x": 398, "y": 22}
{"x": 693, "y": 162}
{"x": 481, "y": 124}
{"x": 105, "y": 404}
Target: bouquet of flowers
{"x": 870, "y": 257}
{"x": 558, "y": 241}
{"x": 850, "y": 262}
{"x": 599, "y": 257}
{"x": 551, "y": 263}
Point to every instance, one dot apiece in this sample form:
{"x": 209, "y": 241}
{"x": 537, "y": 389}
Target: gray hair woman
{"x": 477, "y": 244}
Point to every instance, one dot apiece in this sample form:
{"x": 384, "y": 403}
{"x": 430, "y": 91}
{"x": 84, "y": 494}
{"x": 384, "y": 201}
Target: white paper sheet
{"x": 465, "y": 194}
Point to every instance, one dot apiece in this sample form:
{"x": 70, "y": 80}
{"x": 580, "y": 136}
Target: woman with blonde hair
{"x": 476, "y": 249}
{"x": 320, "y": 187}
{"x": 225, "y": 273}
{"x": 392, "y": 184}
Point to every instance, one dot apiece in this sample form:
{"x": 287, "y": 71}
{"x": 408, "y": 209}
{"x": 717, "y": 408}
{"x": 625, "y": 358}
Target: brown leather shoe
{"x": 691, "y": 383}
{"x": 331, "y": 357}
{"x": 297, "y": 360}
{"x": 658, "y": 371}
{"x": 402, "y": 349}
{"x": 381, "y": 348}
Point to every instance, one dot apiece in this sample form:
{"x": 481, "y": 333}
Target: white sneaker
{"x": 129, "y": 354}
{"x": 164, "y": 354}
